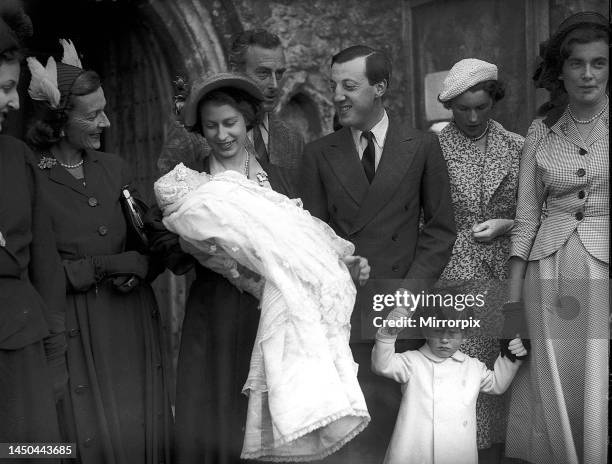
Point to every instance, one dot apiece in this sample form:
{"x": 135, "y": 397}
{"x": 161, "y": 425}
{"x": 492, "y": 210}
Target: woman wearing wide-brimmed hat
{"x": 560, "y": 246}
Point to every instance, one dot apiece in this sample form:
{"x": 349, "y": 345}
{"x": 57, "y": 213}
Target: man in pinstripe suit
{"x": 259, "y": 54}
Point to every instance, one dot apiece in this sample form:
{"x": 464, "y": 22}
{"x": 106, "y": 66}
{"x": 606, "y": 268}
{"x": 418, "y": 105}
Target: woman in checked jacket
{"x": 560, "y": 248}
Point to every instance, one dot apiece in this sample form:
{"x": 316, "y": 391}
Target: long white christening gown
{"x": 304, "y": 398}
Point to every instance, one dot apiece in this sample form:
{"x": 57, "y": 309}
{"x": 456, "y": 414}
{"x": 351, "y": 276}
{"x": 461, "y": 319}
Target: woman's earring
{"x": 62, "y": 134}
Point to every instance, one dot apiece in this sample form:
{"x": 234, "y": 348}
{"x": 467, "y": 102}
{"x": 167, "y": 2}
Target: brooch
{"x": 262, "y": 178}
{"x": 47, "y": 162}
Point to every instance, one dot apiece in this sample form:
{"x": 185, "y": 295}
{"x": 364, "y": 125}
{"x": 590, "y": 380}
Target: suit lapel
{"x": 497, "y": 163}
{"x": 566, "y": 128}
{"x": 398, "y": 155}
{"x": 59, "y": 175}
{"x": 600, "y": 131}
{"x": 343, "y": 159}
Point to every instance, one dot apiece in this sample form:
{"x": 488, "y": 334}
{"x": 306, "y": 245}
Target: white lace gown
{"x": 304, "y": 398}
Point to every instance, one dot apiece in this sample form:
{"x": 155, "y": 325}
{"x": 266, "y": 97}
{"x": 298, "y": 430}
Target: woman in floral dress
{"x": 483, "y": 161}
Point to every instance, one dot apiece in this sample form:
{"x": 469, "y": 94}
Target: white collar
{"x": 426, "y": 351}
{"x": 379, "y": 130}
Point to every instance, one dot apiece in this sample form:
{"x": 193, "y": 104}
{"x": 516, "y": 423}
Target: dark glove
{"x": 514, "y": 325}
{"x": 164, "y": 245}
{"x": 127, "y": 263}
{"x": 55, "y": 350}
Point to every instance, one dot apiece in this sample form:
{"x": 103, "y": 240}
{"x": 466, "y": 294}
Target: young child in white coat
{"x": 436, "y": 423}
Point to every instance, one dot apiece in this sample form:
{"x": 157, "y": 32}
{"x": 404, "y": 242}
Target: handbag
{"x": 134, "y": 211}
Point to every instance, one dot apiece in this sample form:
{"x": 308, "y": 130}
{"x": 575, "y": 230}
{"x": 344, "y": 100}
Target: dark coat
{"x": 382, "y": 219}
{"x": 31, "y": 301}
{"x": 120, "y": 405}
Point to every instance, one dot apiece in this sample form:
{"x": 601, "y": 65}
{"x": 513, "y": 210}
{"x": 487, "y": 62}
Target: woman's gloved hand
{"x": 129, "y": 263}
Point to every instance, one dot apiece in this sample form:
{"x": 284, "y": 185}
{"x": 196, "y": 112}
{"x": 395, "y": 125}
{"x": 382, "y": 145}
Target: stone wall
{"x": 312, "y": 32}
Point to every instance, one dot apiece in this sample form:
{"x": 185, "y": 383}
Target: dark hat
{"x": 205, "y": 85}
{"x": 8, "y": 39}
{"x": 66, "y": 75}
{"x": 546, "y": 74}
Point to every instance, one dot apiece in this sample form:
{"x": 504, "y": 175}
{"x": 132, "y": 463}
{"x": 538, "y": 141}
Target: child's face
{"x": 444, "y": 342}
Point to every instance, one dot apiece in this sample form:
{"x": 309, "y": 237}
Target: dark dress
{"x": 27, "y": 408}
{"x": 218, "y": 335}
{"x": 120, "y": 408}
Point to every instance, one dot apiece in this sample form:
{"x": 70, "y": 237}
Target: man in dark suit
{"x": 370, "y": 181}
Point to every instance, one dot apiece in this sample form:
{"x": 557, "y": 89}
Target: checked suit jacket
{"x": 382, "y": 219}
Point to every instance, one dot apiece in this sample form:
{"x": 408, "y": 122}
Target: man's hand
{"x": 359, "y": 269}
{"x": 491, "y": 229}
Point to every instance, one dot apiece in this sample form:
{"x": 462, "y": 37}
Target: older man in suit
{"x": 260, "y": 55}
{"x": 370, "y": 181}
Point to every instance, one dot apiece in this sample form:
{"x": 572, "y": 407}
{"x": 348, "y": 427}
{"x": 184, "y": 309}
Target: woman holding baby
{"x": 221, "y": 322}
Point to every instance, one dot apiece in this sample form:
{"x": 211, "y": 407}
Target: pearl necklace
{"x": 476, "y": 139}
{"x": 590, "y": 120}
{"x": 72, "y": 166}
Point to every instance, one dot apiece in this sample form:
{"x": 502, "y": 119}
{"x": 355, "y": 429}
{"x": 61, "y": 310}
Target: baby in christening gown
{"x": 304, "y": 398}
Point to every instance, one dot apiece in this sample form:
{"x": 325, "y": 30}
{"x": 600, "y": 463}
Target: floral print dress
{"x": 483, "y": 186}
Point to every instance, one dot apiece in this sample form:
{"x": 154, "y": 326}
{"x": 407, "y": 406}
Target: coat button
{"x": 102, "y": 230}
{"x": 80, "y": 389}
{"x": 395, "y": 268}
{"x": 334, "y": 209}
{"x": 581, "y": 194}
{"x": 87, "y": 442}
{"x": 582, "y": 151}
{"x": 394, "y": 237}
{"x": 73, "y": 332}
{"x": 406, "y": 207}
{"x": 580, "y": 172}
{"x": 579, "y": 215}
{"x": 92, "y": 202}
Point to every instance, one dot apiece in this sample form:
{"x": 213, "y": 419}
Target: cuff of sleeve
{"x": 383, "y": 336}
{"x": 81, "y": 274}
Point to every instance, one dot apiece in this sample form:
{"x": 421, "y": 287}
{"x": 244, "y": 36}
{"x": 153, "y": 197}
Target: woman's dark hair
{"x": 496, "y": 90}
{"x": 47, "y": 123}
{"x": 558, "y": 49}
{"x": 238, "y": 99}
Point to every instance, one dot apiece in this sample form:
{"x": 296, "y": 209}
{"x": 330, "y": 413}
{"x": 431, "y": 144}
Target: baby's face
{"x": 444, "y": 342}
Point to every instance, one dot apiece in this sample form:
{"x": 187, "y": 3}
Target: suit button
{"x": 87, "y": 442}
{"x": 334, "y": 209}
{"x": 395, "y": 268}
{"x": 74, "y": 332}
{"x": 80, "y": 389}
{"x": 581, "y": 194}
{"x": 580, "y": 172}
{"x": 406, "y": 207}
{"x": 579, "y": 215}
{"x": 394, "y": 237}
{"x": 92, "y": 202}
{"x": 582, "y": 152}
{"x": 102, "y": 230}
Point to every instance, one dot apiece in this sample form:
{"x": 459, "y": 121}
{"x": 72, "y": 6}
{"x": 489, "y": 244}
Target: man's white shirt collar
{"x": 379, "y": 131}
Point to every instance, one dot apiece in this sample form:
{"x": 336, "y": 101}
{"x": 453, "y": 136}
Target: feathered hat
{"x": 53, "y": 82}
